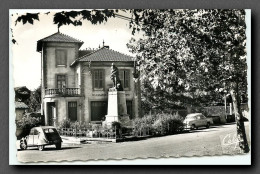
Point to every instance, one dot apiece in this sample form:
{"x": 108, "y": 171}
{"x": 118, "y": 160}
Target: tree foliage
{"x": 34, "y": 102}
{"x": 195, "y": 53}
{"x": 22, "y": 93}
{"x": 191, "y": 52}
{"x": 31, "y": 98}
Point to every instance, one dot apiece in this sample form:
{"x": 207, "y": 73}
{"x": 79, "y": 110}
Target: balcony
{"x": 64, "y": 92}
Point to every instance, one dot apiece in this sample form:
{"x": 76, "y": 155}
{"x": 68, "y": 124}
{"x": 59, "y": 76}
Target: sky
{"x": 26, "y": 61}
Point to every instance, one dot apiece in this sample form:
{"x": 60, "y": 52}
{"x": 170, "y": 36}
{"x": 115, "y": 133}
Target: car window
{"x": 194, "y": 118}
{"x": 36, "y": 132}
{"x": 32, "y": 131}
{"x": 49, "y": 130}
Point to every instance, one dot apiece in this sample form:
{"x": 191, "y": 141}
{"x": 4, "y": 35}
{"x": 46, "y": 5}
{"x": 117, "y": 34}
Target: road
{"x": 213, "y": 141}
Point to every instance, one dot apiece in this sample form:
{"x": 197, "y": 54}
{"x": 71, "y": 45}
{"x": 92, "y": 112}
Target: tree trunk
{"x": 241, "y": 133}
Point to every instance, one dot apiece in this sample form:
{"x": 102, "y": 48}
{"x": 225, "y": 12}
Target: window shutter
{"x": 65, "y": 58}
{"x": 121, "y": 76}
{"x": 95, "y": 79}
{"x": 127, "y": 79}
{"x": 100, "y": 79}
{"x": 61, "y": 57}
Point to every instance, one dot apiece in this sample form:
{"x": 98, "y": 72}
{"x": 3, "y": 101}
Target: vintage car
{"x": 196, "y": 120}
{"x": 41, "y": 137}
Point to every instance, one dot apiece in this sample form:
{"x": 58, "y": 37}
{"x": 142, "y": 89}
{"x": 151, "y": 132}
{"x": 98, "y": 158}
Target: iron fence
{"x": 90, "y": 132}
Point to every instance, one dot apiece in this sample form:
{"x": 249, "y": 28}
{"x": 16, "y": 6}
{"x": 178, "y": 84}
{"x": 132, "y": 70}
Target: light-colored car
{"x": 41, "y": 137}
{"x": 196, "y": 120}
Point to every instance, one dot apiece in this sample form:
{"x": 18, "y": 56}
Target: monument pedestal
{"x": 116, "y": 110}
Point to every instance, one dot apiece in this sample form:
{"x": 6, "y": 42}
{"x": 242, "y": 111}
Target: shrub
{"x": 159, "y": 124}
{"x": 76, "y": 125}
{"x": 65, "y": 123}
{"x": 118, "y": 127}
{"x": 116, "y": 124}
{"x": 27, "y": 122}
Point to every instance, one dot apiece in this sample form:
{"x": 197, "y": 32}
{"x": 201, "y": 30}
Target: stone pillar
{"x": 117, "y": 110}
{"x": 112, "y": 107}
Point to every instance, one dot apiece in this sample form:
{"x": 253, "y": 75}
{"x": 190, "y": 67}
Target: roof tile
{"x": 59, "y": 37}
{"x": 107, "y": 55}
{"x": 20, "y": 105}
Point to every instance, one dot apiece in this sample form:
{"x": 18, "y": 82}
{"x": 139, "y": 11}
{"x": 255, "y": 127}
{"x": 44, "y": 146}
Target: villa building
{"x": 75, "y": 82}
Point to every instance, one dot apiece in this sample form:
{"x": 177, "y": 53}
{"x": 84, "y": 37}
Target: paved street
{"x": 213, "y": 141}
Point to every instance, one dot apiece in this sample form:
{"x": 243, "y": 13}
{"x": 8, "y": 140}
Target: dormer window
{"x": 61, "y": 58}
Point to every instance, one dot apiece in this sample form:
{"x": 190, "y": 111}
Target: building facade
{"x": 20, "y": 109}
{"x": 75, "y": 82}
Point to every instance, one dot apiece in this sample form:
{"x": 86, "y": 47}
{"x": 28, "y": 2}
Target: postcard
{"x": 92, "y": 85}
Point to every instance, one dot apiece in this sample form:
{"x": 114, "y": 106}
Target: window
{"x": 98, "y": 110}
{"x": 35, "y": 132}
{"x": 61, "y": 81}
{"x": 72, "y": 111}
{"x": 32, "y": 131}
{"x": 125, "y": 79}
{"x": 98, "y": 79}
{"x": 49, "y": 130}
{"x": 129, "y": 109}
{"x": 61, "y": 58}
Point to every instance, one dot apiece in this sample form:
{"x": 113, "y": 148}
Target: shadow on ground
{"x": 49, "y": 148}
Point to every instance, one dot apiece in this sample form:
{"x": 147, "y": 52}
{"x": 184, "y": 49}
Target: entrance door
{"x": 51, "y": 113}
{"x": 98, "y": 110}
{"x": 129, "y": 109}
{"x": 72, "y": 110}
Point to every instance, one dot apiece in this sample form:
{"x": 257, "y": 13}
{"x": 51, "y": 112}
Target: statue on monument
{"x": 115, "y": 78}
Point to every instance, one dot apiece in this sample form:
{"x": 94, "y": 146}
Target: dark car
{"x": 41, "y": 137}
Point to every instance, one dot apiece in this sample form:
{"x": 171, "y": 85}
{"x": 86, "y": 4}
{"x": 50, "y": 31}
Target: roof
{"x": 194, "y": 114}
{"x": 20, "y": 105}
{"x": 106, "y": 55}
{"x": 58, "y": 37}
{"x": 84, "y": 52}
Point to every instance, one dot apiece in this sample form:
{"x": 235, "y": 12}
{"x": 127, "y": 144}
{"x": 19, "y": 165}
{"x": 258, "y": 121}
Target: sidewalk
{"x": 82, "y": 140}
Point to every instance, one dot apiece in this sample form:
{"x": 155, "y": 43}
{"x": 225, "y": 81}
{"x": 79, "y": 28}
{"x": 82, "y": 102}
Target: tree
{"x": 34, "y": 102}
{"x": 22, "y": 93}
{"x": 30, "y": 98}
{"x": 194, "y": 52}
{"x": 69, "y": 17}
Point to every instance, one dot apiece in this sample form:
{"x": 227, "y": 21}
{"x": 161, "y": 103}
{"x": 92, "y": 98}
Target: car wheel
{"x": 208, "y": 125}
{"x": 41, "y": 148}
{"x": 23, "y": 144}
{"x": 193, "y": 127}
{"x": 58, "y": 146}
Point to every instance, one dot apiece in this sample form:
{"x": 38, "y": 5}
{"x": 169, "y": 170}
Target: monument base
{"x": 111, "y": 118}
{"x": 123, "y": 119}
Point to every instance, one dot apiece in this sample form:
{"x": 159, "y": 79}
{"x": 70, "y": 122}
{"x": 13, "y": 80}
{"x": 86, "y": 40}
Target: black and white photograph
{"x": 127, "y": 84}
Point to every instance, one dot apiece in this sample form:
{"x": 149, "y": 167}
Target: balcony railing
{"x": 63, "y": 91}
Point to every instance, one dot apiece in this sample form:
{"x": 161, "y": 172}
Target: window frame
{"x": 99, "y": 80}
{"x": 75, "y": 102}
{"x": 56, "y": 57}
{"x": 66, "y": 80}
{"x": 124, "y": 79}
